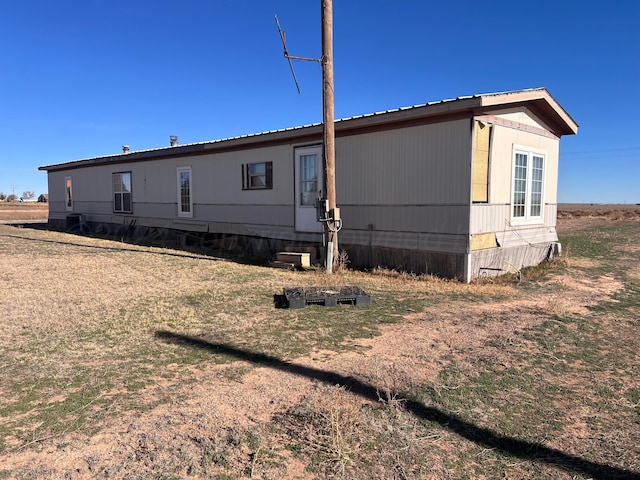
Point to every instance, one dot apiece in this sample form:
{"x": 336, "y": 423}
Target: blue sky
{"x": 80, "y": 79}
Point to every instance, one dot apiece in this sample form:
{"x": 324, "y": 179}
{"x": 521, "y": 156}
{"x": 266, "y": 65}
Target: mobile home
{"x": 461, "y": 188}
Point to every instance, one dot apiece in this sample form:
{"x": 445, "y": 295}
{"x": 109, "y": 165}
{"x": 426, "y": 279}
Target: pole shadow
{"x": 481, "y": 436}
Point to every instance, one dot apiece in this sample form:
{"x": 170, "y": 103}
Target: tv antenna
{"x": 283, "y": 37}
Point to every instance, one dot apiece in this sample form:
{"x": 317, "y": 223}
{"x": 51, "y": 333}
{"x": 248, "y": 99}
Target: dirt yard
{"x": 124, "y": 361}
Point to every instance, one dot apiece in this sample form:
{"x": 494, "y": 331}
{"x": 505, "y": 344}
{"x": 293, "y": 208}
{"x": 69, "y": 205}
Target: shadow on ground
{"x": 128, "y": 248}
{"x": 481, "y": 436}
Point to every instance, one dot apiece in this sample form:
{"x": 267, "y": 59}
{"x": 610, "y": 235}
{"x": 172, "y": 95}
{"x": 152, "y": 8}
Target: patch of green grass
{"x": 625, "y": 301}
{"x": 235, "y": 373}
{"x": 53, "y": 405}
{"x": 288, "y": 333}
{"x": 632, "y": 395}
{"x": 601, "y": 244}
{"x": 510, "y": 401}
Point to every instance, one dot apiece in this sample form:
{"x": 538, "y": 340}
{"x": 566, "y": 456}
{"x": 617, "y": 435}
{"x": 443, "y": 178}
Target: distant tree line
{"x": 27, "y": 195}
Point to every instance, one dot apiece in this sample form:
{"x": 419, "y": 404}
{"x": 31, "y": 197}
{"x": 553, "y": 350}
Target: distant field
{"x": 572, "y": 216}
{"x": 597, "y": 209}
{"x": 10, "y": 212}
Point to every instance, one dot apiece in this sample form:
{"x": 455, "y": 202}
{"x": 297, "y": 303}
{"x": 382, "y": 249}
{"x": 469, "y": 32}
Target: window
{"x": 528, "y": 183}
{"x": 257, "y": 176}
{"x": 308, "y": 179}
{"x": 122, "y": 192}
{"x": 69, "y": 193}
{"x": 185, "y": 200}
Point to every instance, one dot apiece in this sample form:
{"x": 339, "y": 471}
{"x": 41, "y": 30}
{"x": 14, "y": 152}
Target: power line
{"x": 601, "y": 151}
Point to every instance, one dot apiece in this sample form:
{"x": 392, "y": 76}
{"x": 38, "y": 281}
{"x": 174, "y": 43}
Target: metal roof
{"x": 566, "y": 125}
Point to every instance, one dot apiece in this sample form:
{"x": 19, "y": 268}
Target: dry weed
{"x": 326, "y": 424}
{"x": 392, "y": 379}
{"x": 342, "y": 263}
{"x": 559, "y": 303}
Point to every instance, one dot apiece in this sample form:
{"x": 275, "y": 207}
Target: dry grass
{"x": 20, "y": 212}
{"x": 423, "y": 384}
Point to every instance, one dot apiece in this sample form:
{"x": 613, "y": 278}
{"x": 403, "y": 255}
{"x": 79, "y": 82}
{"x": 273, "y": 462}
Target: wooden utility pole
{"x": 332, "y": 226}
{"x": 332, "y": 222}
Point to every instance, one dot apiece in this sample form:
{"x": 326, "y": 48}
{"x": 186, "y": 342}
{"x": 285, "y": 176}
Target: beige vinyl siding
{"x": 219, "y": 203}
{"x": 92, "y": 192}
{"x": 407, "y": 187}
{"x": 495, "y": 218}
{"x": 220, "y": 177}
{"x": 408, "y": 218}
{"x": 420, "y": 165}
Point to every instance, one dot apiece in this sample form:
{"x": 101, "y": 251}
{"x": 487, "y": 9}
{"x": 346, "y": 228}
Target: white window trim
{"x": 68, "y": 197}
{"x": 188, "y": 214}
{"x": 122, "y": 193}
{"x": 528, "y": 219}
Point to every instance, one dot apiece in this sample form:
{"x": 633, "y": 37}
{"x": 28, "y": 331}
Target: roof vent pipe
{"x": 173, "y": 140}
{"x": 125, "y": 148}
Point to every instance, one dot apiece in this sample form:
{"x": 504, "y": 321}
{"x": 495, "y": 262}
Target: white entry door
{"x": 308, "y": 166}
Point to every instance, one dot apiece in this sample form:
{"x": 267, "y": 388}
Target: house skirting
{"x": 444, "y": 264}
{"x": 483, "y": 263}
{"x": 497, "y": 261}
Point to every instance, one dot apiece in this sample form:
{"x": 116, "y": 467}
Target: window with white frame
{"x": 68, "y": 193}
{"x": 185, "y": 198}
{"x": 528, "y": 185}
{"x": 122, "y": 192}
{"x": 257, "y": 176}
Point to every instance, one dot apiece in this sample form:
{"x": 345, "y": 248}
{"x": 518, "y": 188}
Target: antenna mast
{"x": 283, "y": 38}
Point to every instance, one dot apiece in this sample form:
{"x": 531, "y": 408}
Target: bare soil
{"x": 166, "y": 439}
{"x": 576, "y": 216}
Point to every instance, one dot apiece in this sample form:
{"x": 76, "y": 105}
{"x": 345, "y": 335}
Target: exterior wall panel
{"x": 420, "y": 165}
{"x": 451, "y": 219}
{"x": 277, "y": 215}
{"x": 495, "y": 218}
